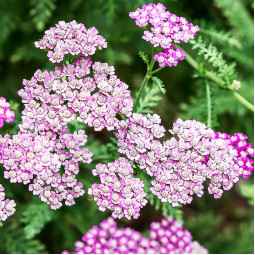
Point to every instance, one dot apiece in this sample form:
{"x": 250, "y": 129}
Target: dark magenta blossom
{"x": 166, "y": 237}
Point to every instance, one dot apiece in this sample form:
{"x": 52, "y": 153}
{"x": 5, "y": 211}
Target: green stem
{"x": 101, "y": 158}
{"x": 219, "y": 81}
{"x": 209, "y": 105}
{"x": 157, "y": 70}
{"x": 145, "y": 82}
{"x": 243, "y": 101}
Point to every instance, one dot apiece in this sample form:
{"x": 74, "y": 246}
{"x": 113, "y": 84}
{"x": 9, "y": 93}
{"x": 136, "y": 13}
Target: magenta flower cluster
{"x": 137, "y": 139}
{"x": 7, "y": 206}
{"x": 6, "y": 115}
{"x": 55, "y": 98}
{"x": 43, "y": 154}
{"x": 37, "y": 159}
{"x": 181, "y": 165}
{"x": 162, "y": 29}
{"x": 118, "y": 191}
{"x": 70, "y": 38}
{"x": 166, "y": 237}
{"x": 245, "y": 152}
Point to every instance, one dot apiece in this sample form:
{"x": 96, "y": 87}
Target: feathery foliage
{"x": 247, "y": 190}
{"x": 150, "y": 98}
{"x": 238, "y": 17}
{"x": 144, "y": 57}
{"x": 212, "y": 55}
{"x": 159, "y": 83}
{"x": 35, "y": 217}
{"x": 14, "y": 241}
{"x": 41, "y": 12}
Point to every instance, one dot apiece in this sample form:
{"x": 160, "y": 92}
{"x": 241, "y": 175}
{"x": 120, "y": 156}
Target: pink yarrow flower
{"x": 58, "y": 97}
{"x": 162, "y": 29}
{"x": 166, "y": 237}
{"x": 7, "y": 207}
{"x": 183, "y": 163}
{"x": 70, "y": 38}
{"x": 118, "y": 190}
{"x": 6, "y": 115}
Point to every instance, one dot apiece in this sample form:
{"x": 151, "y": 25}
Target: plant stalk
{"x": 209, "y": 105}
{"x": 157, "y": 70}
{"x": 243, "y": 101}
{"x": 145, "y": 82}
{"x": 219, "y": 81}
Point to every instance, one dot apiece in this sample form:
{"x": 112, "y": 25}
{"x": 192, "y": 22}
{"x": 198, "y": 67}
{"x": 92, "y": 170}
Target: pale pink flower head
{"x": 7, "y": 206}
{"x": 70, "y": 38}
{"x": 6, "y": 115}
{"x": 162, "y": 29}
{"x": 118, "y": 191}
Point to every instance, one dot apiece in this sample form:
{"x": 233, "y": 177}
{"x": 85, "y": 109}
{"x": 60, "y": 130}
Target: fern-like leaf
{"x": 41, "y": 12}
{"x": 238, "y": 17}
{"x": 247, "y": 190}
{"x": 35, "y": 217}
{"x": 151, "y": 98}
{"x": 222, "y": 37}
{"x": 159, "y": 84}
{"x": 144, "y": 57}
{"x": 211, "y": 54}
{"x": 13, "y": 241}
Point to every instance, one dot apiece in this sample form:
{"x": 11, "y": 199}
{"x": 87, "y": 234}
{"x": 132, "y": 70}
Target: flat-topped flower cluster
{"x": 7, "y": 206}
{"x": 70, "y": 93}
{"x": 118, "y": 191}
{"x": 182, "y": 165}
{"x": 84, "y": 91}
{"x": 37, "y": 160}
{"x": 166, "y": 237}
{"x": 45, "y": 155}
{"x": 6, "y": 115}
{"x": 70, "y": 38}
{"x": 162, "y": 29}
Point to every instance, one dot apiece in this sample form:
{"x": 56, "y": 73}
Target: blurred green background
{"x": 222, "y": 226}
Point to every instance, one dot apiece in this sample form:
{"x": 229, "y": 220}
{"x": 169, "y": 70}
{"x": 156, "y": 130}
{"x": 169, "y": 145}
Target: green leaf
{"x": 35, "y": 217}
{"x": 41, "y": 12}
{"x": 75, "y": 125}
{"x": 144, "y": 57}
{"x": 222, "y": 37}
{"x": 213, "y": 56}
{"x": 247, "y": 190}
{"x": 239, "y": 18}
{"x": 151, "y": 98}
{"x": 13, "y": 241}
{"x": 159, "y": 84}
